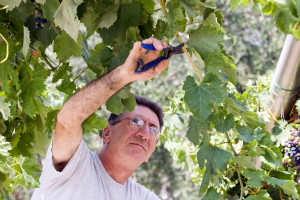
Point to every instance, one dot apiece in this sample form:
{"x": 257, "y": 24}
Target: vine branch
{"x": 162, "y": 4}
{"x": 80, "y": 74}
{"x": 44, "y": 56}
{"x": 236, "y": 165}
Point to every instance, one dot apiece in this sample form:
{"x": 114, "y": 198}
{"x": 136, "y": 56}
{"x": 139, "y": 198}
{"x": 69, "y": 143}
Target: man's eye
{"x": 153, "y": 128}
{"x": 138, "y": 121}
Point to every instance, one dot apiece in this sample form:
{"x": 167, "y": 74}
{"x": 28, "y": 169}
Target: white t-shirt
{"x": 85, "y": 178}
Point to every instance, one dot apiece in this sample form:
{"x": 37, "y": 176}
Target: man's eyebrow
{"x": 149, "y": 122}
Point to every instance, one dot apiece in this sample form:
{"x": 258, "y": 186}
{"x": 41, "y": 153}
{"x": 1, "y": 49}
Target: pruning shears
{"x": 167, "y": 53}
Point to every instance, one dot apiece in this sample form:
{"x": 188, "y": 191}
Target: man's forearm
{"x": 86, "y": 101}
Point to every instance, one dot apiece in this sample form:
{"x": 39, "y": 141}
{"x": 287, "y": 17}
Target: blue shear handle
{"x": 148, "y": 47}
{"x": 149, "y": 65}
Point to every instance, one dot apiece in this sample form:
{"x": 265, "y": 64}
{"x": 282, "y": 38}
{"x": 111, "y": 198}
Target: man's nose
{"x": 144, "y": 133}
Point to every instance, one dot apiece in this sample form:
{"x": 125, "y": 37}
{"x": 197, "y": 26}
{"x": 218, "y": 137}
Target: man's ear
{"x": 106, "y": 134}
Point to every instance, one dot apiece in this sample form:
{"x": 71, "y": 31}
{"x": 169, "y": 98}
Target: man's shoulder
{"x": 142, "y": 191}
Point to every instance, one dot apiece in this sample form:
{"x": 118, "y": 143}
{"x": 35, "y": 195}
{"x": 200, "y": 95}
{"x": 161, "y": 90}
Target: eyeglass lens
{"x": 139, "y": 124}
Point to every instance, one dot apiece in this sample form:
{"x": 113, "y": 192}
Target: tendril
{"x": 7, "y": 48}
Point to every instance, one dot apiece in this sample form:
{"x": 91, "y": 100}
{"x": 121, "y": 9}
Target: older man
{"x": 71, "y": 171}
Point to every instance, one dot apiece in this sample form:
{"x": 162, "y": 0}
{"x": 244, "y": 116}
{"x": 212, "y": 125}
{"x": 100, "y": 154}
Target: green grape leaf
{"x": 8, "y": 76}
{"x": 109, "y": 17}
{"x": 51, "y": 120}
{"x": 268, "y": 8}
{"x": 65, "y": 47}
{"x": 4, "y": 149}
{"x": 61, "y": 72}
{"x": 296, "y": 33}
{"x": 30, "y": 106}
{"x": 129, "y": 15}
{"x": 176, "y": 15}
{"x": 223, "y": 124}
{"x": 46, "y": 35}
{"x": 163, "y": 29}
{"x": 11, "y": 4}
{"x": 234, "y": 4}
{"x": 39, "y": 76}
{"x": 285, "y": 21}
{"x": 245, "y": 3}
{"x": 297, "y": 5}
{"x": 207, "y": 40}
{"x": 283, "y": 175}
{"x": 281, "y": 130}
{"x": 251, "y": 148}
{"x": 49, "y": 9}
{"x": 216, "y": 159}
{"x": 245, "y": 134}
{"x": 211, "y": 194}
{"x": 255, "y": 177}
{"x": 248, "y": 162}
{"x": 124, "y": 92}
{"x": 42, "y": 141}
{"x": 94, "y": 124}
{"x": 261, "y": 195}
{"x": 102, "y": 55}
{"x": 67, "y": 86}
{"x": 2, "y": 179}
{"x": 129, "y": 103}
{"x": 4, "y": 108}
{"x": 252, "y": 119}
{"x": 119, "y": 57}
{"x": 192, "y": 7}
{"x": 290, "y": 189}
{"x": 29, "y": 168}
{"x": 40, "y": 1}
{"x": 200, "y": 97}
{"x": 275, "y": 181}
{"x": 148, "y": 5}
{"x": 26, "y": 41}
{"x": 115, "y": 105}
{"x": 88, "y": 20}
{"x": 196, "y": 130}
{"x": 65, "y": 18}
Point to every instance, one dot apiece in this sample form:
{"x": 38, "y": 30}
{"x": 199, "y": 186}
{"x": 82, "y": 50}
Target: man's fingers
{"x": 161, "y": 66}
{"x": 158, "y": 44}
{"x": 135, "y": 51}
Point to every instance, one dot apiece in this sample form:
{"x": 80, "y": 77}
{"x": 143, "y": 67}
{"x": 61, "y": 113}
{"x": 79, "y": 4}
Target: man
{"x": 71, "y": 171}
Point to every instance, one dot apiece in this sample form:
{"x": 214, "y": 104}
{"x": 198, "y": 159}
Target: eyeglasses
{"x": 138, "y": 123}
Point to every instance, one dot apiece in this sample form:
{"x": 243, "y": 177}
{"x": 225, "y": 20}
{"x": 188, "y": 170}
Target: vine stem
{"x": 7, "y": 49}
{"x": 44, "y": 56}
{"x": 189, "y": 58}
{"x": 237, "y": 167}
{"x": 80, "y": 74}
{"x": 162, "y": 4}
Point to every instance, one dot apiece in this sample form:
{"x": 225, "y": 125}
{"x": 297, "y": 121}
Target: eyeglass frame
{"x": 157, "y": 135}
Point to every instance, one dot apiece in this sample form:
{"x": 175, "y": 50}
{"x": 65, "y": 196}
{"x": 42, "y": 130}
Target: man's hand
{"x": 138, "y": 52}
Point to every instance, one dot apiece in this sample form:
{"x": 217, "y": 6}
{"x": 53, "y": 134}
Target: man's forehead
{"x": 145, "y": 113}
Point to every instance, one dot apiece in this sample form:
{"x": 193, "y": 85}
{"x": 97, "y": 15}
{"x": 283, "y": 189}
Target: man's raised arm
{"x": 68, "y": 131}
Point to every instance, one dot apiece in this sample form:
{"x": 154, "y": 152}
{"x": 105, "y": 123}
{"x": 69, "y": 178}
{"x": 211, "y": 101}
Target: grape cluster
{"x": 291, "y": 151}
{"x": 40, "y": 21}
